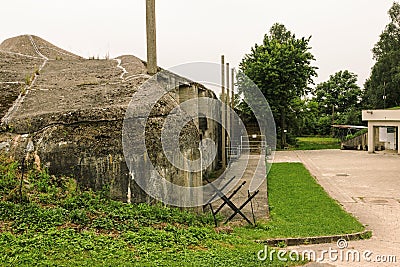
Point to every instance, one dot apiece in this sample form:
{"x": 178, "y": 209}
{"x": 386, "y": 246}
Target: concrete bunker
{"x": 69, "y": 116}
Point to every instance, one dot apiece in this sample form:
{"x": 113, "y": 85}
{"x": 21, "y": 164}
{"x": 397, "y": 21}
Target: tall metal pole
{"x": 384, "y": 95}
{"x": 333, "y": 120}
{"x": 228, "y": 117}
{"x": 232, "y": 100}
{"x": 233, "y": 87}
{"x": 151, "y": 37}
{"x": 227, "y": 84}
{"x": 223, "y": 137}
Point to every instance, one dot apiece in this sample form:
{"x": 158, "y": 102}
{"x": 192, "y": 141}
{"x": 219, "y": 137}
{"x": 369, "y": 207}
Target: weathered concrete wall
{"x": 92, "y": 152}
{"x": 89, "y": 152}
{"x": 70, "y": 118}
{"x": 207, "y": 127}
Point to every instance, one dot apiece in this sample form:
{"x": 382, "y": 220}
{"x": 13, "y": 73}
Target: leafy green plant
{"x": 60, "y": 225}
{"x": 281, "y": 244}
{"x": 79, "y": 216}
{"x": 366, "y": 235}
{"x": 8, "y": 173}
{"x": 358, "y": 133}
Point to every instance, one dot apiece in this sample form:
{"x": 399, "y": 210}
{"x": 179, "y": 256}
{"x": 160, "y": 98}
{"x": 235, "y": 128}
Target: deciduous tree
{"x": 281, "y": 68}
{"x": 339, "y": 94}
{"x": 382, "y": 89}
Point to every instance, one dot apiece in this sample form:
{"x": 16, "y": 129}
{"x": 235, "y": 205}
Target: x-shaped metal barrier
{"x": 227, "y": 200}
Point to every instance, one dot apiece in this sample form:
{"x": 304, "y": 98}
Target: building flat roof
{"x": 381, "y": 115}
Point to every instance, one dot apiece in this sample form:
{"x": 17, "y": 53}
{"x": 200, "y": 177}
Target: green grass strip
{"x": 299, "y": 207}
{"x": 317, "y": 143}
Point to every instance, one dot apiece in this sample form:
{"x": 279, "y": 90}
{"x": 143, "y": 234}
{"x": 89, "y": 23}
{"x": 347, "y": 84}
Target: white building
{"x": 383, "y": 129}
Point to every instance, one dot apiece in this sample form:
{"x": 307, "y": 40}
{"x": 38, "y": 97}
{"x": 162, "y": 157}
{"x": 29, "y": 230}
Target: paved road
{"x": 368, "y": 186}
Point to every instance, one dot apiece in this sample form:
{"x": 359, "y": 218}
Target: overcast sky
{"x": 343, "y": 31}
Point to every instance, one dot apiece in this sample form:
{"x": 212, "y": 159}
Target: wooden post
{"x": 151, "y": 37}
{"x": 223, "y": 137}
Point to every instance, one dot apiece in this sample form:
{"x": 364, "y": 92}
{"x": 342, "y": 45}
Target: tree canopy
{"x": 281, "y": 68}
{"x": 340, "y": 93}
{"x": 382, "y": 88}
{"x": 390, "y": 38}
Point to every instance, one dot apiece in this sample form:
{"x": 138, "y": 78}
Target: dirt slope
{"x": 30, "y": 44}
{"x": 42, "y": 84}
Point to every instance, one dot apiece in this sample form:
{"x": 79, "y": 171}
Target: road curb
{"x": 278, "y": 242}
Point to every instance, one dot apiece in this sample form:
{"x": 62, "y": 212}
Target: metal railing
{"x": 252, "y": 143}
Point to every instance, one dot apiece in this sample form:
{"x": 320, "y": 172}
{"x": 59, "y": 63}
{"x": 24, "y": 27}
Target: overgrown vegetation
{"x": 336, "y": 101}
{"x": 356, "y": 134}
{"x": 281, "y": 68}
{"x": 55, "y": 223}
